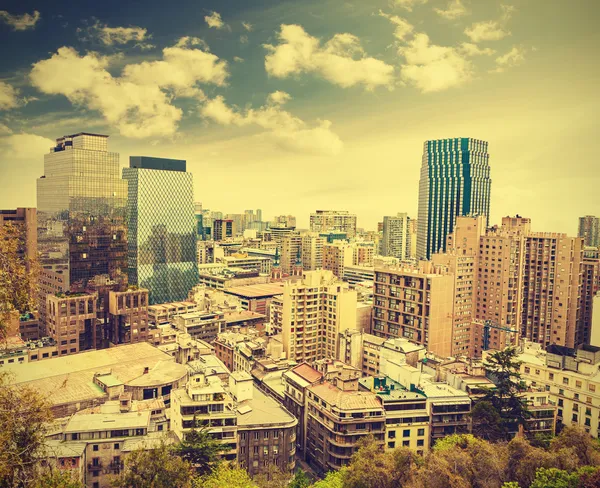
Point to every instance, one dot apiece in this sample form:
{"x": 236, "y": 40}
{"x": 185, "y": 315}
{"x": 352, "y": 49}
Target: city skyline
{"x": 268, "y": 126}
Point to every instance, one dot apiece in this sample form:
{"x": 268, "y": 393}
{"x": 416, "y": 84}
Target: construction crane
{"x": 487, "y": 325}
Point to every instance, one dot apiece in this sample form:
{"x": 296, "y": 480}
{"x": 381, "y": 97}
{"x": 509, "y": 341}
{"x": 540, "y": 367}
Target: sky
{"x": 295, "y": 106}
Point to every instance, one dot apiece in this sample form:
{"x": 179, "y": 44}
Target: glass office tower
{"x": 81, "y": 203}
{"x": 161, "y": 227}
{"x": 455, "y": 181}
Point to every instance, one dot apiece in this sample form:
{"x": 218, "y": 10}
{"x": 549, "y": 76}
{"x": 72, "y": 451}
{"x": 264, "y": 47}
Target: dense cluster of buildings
{"x": 155, "y": 315}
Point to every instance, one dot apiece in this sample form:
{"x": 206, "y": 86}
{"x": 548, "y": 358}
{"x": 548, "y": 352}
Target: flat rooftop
{"x": 94, "y": 422}
{"x": 265, "y": 290}
{"x": 69, "y": 379}
{"x": 262, "y": 410}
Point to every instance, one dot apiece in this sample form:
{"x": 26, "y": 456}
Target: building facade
{"x": 339, "y": 221}
{"x": 25, "y": 219}
{"x": 162, "y": 228}
{"x": 455, "y": 180}
{"x": 81, "y": 203}
{"x": 589, "y": 229}
{"x": 396, "y": 238}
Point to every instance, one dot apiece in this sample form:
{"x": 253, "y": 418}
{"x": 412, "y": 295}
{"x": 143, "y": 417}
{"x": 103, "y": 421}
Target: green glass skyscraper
{"x": 161, "y": 228}
{"x": 455, "y": 181}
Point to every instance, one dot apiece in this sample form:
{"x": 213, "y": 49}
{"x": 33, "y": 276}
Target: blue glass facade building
{"x": 161, "y": 228}
{"x": 455, "y": 181}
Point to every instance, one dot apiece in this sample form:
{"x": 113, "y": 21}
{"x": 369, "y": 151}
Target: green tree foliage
{"x": 372, "y": 466}
{"x": 273, "y": 477}
{"x": 300, "y": 480}
{"x": 333, "y": 479}
{"x": 17, "y": 277}
{"x": 582, "y": 445}
{"x": 459, "y": 461}
{"x": 56, "y": 478}
{"x": 200, "y": 449}
{"x": 225, "y": 475}
{"x": 156, "y": 468}
{"x": 23, "y": 416}
{"x": 504, "y": 409}
{"x": 554, "y": 478}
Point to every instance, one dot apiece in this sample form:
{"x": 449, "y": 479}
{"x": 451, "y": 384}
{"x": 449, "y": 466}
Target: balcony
{"x": 95, "y": 466}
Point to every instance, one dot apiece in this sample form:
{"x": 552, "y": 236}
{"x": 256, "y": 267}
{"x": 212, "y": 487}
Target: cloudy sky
{"x": 290, "y": 106}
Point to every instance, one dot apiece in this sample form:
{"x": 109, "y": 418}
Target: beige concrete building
{"x": 363, "y": 253}
{"x": 71, "y": 321}
{"x": 396, "y": 237}
{"x": 313, "y": 312}
{"x": 338, "y": 221}
{"x": 129, "y": 315}
{"x": 290, "y": 249}
{"x": 570, "y": 377}
{"x": 416, "y": 303}
{"x": 26, "y": 220}
{"x": 312, "y": 251}
{"x": 336, "y": 256}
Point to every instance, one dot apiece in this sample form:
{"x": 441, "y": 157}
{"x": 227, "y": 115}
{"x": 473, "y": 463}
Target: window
{"x": 551, "y": 376}
{"x": 392, "y": 434}
{"x": 275, "y": 450}
{"x": 256, "y": 436}
{"x": 276, "y": 434}
{"x": 406, "y": 433}
{"x": 592, "y": 387}
{"x": 421, "y": 432}
{"x": 95, "y": 447}
{"x": 420, "y": 443}
{"x": 527, "y": 370}
{"x": 266, "y": 450}
{"x": 577, "y": 384}
{"x": 116, "y": 446}
{"x": 405, "y": 443}
{"x": 391, "y": 445}
{"x": 255, "y": 450}
{"x": 266, "y": 434}
{"x": 565, "y": 380}
{"x": 95, "y": 484}
{"x": 243, "y": 436}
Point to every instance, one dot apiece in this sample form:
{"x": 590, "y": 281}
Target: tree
{"x": 17, "y": 277}
{"x": 333, "y": 479}
{"x": 300, "y": 480}
{"x": 487, "y": 422}
{"x": 273, "y": 477}
{"x": 156, "y": 468}
{"x": 586, "y": 449}
{"x": 554, "y": 478}
{"x": 56, "y": 478}
{"x": 524, "y": 460}
{"x": 506, "y": 397}
{"x": 371, "y": 466}
{"x": 463, "y": 461}
{"x": 200, "y": 449}
{"x": 223, "y": 476}
{"x": 23, "y": 416}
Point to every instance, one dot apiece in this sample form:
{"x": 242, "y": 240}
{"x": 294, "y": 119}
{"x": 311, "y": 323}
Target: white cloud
{"x": 409, "y": 4}
{"x": 454, "y": 10}
{"x": 474, "y": 50}
{"x": 20, "y": 22}
{"x": 512, "y": 58}
{"x": 237, "y": 59}
{"x": 244, "y": 39}
{"x": 486, "y": 31}
{"x": 341, "y": 60}
{"x": 23, "y": 147}
{"x": 139, "y": 102}
{"x": 248, "y": 26}
{"x": 282, "y": 127}
{"x": 403, "y": 27}
{"x": 433, "y": 68}
{"x": 116, "y": 36}
{"x": 8, "y": 96}
{"x": 214, "y": 20}
{"x": 4, "y": 129}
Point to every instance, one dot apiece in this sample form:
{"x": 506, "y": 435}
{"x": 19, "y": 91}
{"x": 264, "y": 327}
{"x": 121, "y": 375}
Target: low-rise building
{"x": 201, "y": 325}
{"x": 163, "y": 313}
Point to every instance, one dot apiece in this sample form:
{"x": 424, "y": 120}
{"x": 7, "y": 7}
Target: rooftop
{"x": 265, "y": 290}
{"x": 307, "y": 373}
{"x": 262, "y": 410}
{"x": 69, "y": 379}
{"x": 241, "y": 315}
{"x": 345, "y": 400}
{"x": 93, "y": 422}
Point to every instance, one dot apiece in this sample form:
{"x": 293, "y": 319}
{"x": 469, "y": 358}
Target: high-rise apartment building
{"x": 312, "y": 251}
{"x": 589, "y": 229}
{"x": 396, "y": 237}
{"x": 552, "y": 272}
{"x": 25, "y": 219}
{"x": 590, "y": 281}
{"x": 363, "y": 253}
{"x": 313, "y": 313}
{"x": 417, "y": 303}
{"x": 223, "y": 229}
{"x": 339, "y": 221}
{"x": 290, "y": 246}
{"x": 283, "y": 221}
{"x": 455, "y": 180}
{"x": 162, "y": 228}
{"x": 81, "y": 203}
{"x": 336, "y": 256}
